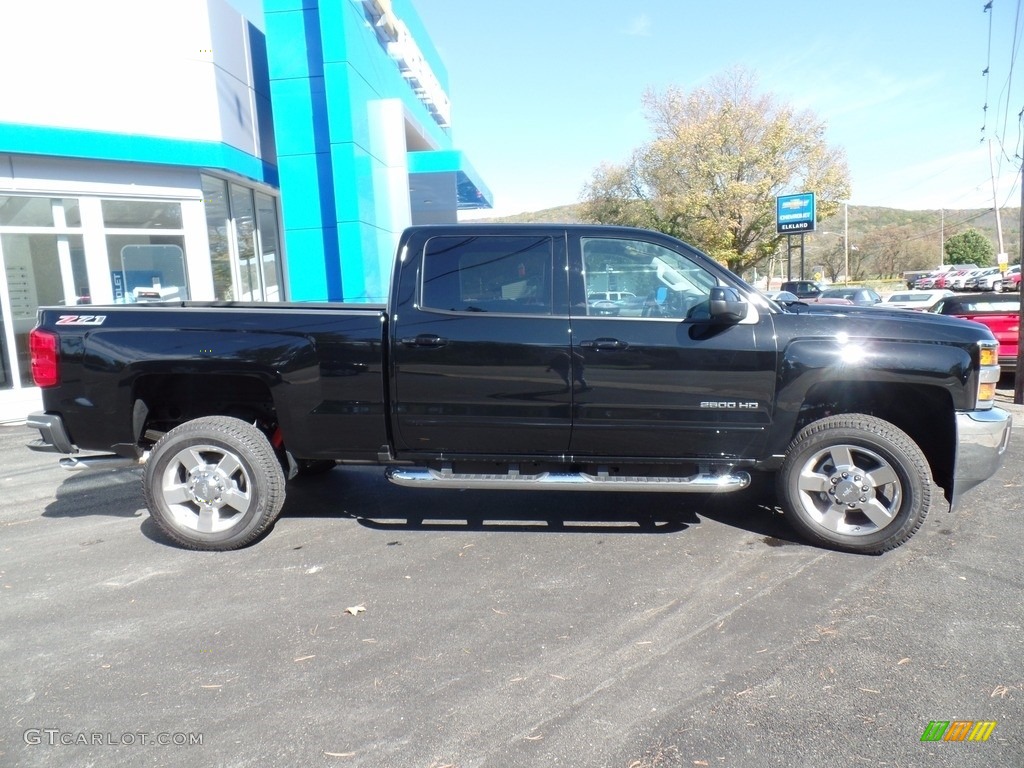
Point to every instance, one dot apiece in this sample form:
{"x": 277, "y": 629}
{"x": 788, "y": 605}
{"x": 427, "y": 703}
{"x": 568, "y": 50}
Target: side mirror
{"x": 727, "y": 305}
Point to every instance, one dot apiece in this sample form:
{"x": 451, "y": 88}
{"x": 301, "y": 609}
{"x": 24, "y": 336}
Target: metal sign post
{"x": 794, "y": 215}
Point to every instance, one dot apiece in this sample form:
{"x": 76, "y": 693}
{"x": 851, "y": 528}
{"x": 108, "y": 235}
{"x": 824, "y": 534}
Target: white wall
{"x": 167, "y": 68}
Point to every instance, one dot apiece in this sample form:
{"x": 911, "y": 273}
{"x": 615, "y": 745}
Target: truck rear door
{"x": 480, "y": 343}
{"x": 656, "y": 379}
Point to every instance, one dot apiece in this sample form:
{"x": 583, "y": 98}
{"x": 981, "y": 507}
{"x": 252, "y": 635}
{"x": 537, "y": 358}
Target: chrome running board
{"x": 703, "y": 482}
{"x": 111, "y": 461}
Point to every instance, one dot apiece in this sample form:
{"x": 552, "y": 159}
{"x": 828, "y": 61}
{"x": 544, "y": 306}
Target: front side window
{"x": 633, "y": 278}
{"x": 505, "y": 274}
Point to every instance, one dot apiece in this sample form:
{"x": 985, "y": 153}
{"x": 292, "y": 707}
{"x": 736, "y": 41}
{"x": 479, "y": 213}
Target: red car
{"x": 1000, "y": 313}
{"x": 1011, "y": 279}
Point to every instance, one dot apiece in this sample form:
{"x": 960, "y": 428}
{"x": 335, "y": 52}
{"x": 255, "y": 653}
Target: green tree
{"x": 970, "y": 247}
{"x": 719, "y": 158}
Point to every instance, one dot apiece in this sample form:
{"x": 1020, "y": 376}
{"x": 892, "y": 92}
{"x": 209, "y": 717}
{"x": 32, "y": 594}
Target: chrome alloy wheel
{"x": 206, "y": 488}
{"x": 849, "y": 489}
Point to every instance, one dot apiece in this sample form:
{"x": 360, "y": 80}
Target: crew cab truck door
{"x": 659, "y": 376}
{"x": 480, "y": 343}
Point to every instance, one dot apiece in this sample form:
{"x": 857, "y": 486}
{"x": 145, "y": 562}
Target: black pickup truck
{"x": 529, "y": 357}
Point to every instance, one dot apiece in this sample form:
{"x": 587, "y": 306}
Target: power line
{"x": 948, "y": 225}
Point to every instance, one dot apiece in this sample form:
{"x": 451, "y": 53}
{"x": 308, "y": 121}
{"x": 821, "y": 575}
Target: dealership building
{"x": 155, "y": 150}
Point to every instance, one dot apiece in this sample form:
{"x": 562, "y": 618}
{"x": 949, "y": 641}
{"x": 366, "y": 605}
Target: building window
{"x": 43, "y": 263}
{"x": 244, "y": 241}
{"x": 270, "y": 245}
{"x": 145, "y": 250}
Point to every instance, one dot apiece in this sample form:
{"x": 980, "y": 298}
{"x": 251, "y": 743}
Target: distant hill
{"x": 924, "y": 226}
{"x": 562, "y": 214}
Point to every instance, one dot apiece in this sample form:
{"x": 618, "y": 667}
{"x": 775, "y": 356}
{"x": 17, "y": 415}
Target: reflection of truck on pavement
{"x": 489, "y": 368}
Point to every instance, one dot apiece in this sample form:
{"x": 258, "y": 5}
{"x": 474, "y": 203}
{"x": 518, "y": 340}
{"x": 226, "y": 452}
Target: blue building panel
{"x": 339, "y": 71}
{"x": 293, "y": 60}
{"x": 135, "y": 148}
{"x": 354, "y": 170}
{"x": 301, "y": 200}
{"x": 295, "y": 97}
{"x": 307, "y": 271}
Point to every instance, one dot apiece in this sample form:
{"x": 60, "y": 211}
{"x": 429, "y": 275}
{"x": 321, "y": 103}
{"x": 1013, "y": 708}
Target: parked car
{"x": 941, "y": 277}
{"x": 961, "y": 277}
{"x": 1011, "y": 279}
{"x": 849, "y": 294}
{"x": 919, "y": 300}
{"x": 984, "y": 280}
{"x": 783, "y": 297}
{"x": 1000, "y": 313}
{"x": 804, "y": 289}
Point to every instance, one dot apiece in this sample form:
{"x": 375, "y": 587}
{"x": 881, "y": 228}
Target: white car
{"x": 959, "y": 280}
{"x": 920, "y": 300}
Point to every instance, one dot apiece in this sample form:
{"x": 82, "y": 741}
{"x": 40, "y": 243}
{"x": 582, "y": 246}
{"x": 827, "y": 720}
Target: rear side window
{"x": 484, "y": 273}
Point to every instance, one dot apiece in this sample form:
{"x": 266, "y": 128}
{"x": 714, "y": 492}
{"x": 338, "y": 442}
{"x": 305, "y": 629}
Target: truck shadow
{"x": 115, "y": 493}
{"x": 365, "y": 497}
{"x": 368, "y": 499}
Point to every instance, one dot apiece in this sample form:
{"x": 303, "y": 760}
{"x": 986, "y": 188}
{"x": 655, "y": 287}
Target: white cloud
{"x": 640, "y": 26}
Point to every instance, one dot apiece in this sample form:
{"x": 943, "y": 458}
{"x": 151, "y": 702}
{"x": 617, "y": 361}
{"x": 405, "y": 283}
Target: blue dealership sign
{"x": 794, "y": 213}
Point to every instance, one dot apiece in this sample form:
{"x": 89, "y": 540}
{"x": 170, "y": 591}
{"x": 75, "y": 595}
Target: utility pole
{"x": 1018, "y": 379}
{"x": 846, "y": 243}
{"x": 942, "y": 236}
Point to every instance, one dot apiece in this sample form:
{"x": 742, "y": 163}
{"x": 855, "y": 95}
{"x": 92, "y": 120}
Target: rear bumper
{"x": 982, "y": 439}
{"x": 53, "y": 437}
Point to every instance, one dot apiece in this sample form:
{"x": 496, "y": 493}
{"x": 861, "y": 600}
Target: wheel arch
{"x": 926, "y": 414}
{"x": 166, "y": 400}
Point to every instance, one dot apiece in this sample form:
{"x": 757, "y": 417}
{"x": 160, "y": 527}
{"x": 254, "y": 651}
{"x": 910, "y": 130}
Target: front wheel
{"x": 214, "y": 483}
{"x": 855, "y": 482}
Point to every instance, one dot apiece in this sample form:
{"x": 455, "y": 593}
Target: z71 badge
{"x": 81, "y": 319}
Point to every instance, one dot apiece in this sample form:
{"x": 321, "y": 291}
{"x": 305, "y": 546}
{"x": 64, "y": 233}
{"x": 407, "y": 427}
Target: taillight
{"x": 988, "y": 358}
{"x": 42, "y": 346}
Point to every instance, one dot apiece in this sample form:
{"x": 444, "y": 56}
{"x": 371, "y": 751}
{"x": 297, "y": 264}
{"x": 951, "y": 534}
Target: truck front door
{"x": 657, "y": 378}
{"x": 480, "y": 344}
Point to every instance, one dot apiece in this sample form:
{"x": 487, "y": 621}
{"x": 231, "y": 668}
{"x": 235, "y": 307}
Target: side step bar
{"x": 703, "y": 482}
{"x": 111, "y": 461}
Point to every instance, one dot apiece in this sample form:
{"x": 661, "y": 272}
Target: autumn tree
{"x": 719, "y": 157}
{"x": 834, "y": 261}
{"x": 969, "y": 247}
{"x": 888, "y": 247}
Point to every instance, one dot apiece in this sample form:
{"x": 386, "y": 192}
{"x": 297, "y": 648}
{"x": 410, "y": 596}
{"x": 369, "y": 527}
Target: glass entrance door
{"x": 39, "y": 269}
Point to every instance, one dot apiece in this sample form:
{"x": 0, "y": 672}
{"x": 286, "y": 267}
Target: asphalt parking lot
{"x": 381, "y": 626}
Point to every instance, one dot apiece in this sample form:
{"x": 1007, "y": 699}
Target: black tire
{"x": 214, "y": 483}
{"x": 855, "y": 482}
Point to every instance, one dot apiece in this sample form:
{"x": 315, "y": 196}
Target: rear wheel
{"x": 855, "y": 482}
{"x": 214, "y": 483}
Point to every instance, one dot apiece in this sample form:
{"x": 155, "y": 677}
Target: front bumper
{"x": 53, "y": 437}
{"x": 982, "y": 439}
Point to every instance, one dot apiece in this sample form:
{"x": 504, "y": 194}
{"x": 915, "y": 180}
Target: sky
{"x": 544, "y": 91}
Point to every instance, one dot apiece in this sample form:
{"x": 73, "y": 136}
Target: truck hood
{"x": 879, "y": 323}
